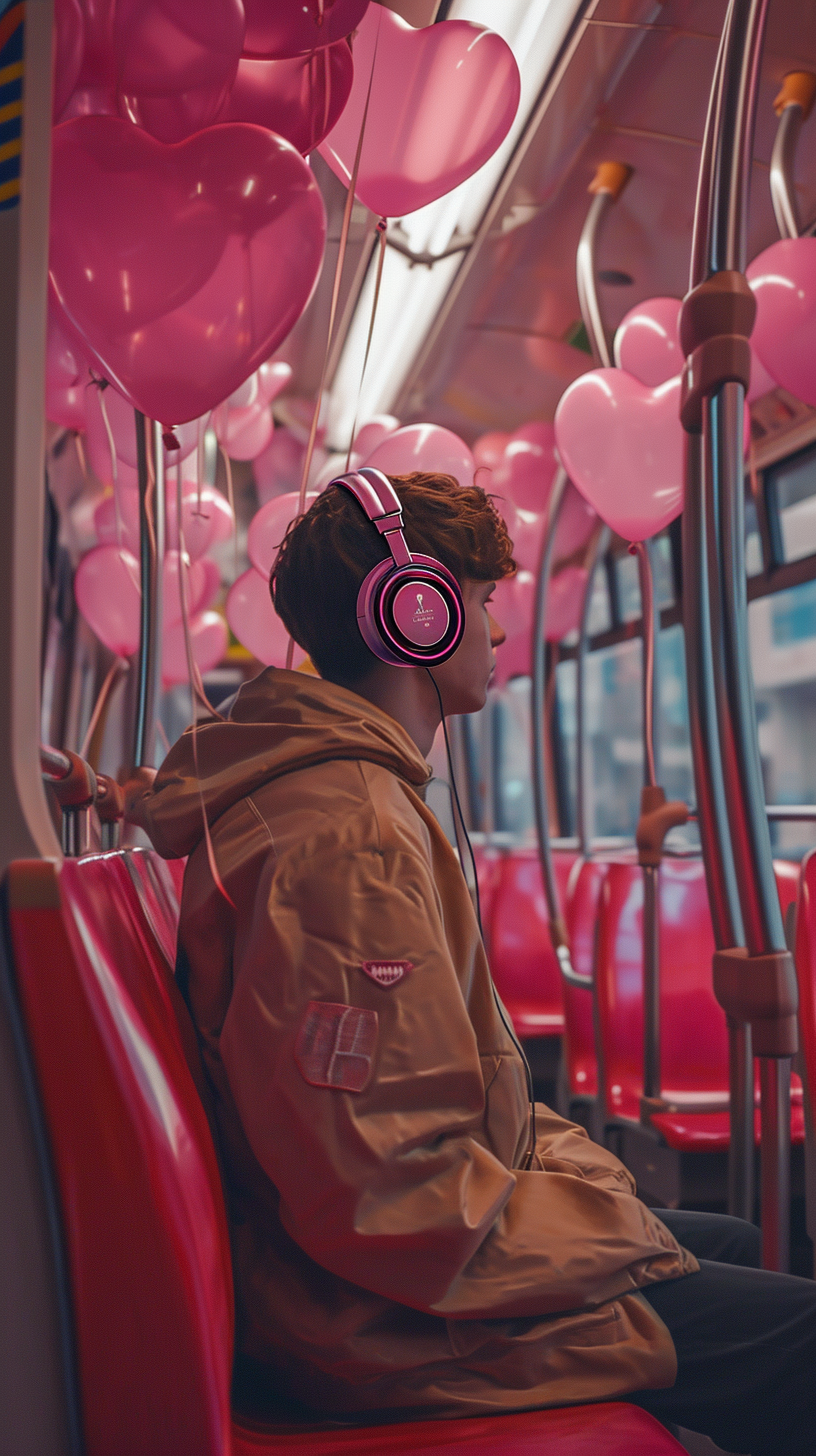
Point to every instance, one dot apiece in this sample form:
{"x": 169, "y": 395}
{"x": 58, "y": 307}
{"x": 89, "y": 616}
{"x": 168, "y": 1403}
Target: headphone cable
{"x": 508, "y": 1025}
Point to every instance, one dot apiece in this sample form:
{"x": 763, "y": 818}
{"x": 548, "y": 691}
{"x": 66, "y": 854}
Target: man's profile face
{"x": 464, "y": 678}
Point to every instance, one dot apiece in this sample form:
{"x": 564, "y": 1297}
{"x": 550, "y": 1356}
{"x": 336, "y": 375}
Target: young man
{"x": 407, "y": 1239}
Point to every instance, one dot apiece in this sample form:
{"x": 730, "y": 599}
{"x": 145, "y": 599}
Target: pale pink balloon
{"x": 647, "y": 342}
{"x": 372, "y": 434}
{"x": 180, "y": 301}
{"x": 783, "y": 279}
{"x": 105, "y": 520}
{"x": 107, "y": 592}
{"x": 576, "y": 522}
{"x": 537, "y": 432}
{"x": 244, "y": 433}
{"x": 300, "y": 98}
{"x": 268, "y": 528}
{"x": 526, "y": 473}
{"x": 512, "y": 608}
{"x": 565, "y": 600}
{"x": 622, "y": 446}
{"x": 442, "y": 100}
{"x": 429, "y": 448}
{"x": 198, "y": 518}
{"x": 255, "y": 622}
{"x": 272, "y": 376}
{"x": 209, "y": 640}
{"x": 122, "y": 423}
{"x": 223, "y": 517}
{"x": 526, "y": 530}
{"x": 66, "y": 372}
{"x": 294, "y": 27}
{"x": 489, "y": 449}
{"x": 195, "y": 585}
{"x": 278, "y": 468}
{"x": 212, "y": 583}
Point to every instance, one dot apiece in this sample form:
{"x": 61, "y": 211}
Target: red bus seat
{"x": 806, "y": 976}
{"x": 141, "y": 1201}
{"x": 488, "y": 869}
{"x": 524, "y": 965}
{"x": 580, "y": 910}
{"x": 694, "y": 1038}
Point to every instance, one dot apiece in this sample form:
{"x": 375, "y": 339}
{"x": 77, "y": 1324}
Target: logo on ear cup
{"x": 422, "y": 617}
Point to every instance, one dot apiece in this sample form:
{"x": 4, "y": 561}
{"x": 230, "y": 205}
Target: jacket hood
{"x": 279, "y": 722}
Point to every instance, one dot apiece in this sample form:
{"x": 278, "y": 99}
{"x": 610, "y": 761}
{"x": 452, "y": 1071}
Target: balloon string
{"x": 338, "y": 274}
{"x": 119, "y": 666}
{"x": 196, "y": 691}
{"x": 117, "y": 510}
{"x": 231, "y": 499}
{"x": 381, "y": 227}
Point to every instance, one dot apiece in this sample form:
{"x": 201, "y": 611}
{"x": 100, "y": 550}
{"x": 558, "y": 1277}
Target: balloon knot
{"x": 632, "y": 548}
{"x": 170, "y": 441}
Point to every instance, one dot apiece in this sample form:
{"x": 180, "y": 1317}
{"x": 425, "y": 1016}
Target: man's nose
{"x": 497, "y": 633}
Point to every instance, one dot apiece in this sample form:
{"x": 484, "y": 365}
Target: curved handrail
{"x": 793, "y": 106}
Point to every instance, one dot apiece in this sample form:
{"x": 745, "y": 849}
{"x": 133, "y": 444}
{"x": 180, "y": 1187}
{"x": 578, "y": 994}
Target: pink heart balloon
{"x": 783, "y": 279}
{"x": 198, "y": 520}
{"x": 209, "y": 640}
{"x": 565, "y": 600}
{"x": 442, "y": 100}
{"x": 207, "y": 250}
{"x": 372, "y": 434}
{"x": 66, "y": 372}
{"x": 195, "y": 582}
{"x": 244, "y": 433}
{"x": 293, "y": 27}
{"x": 424, "y": 447}
{"x": 69, "y": 47}
{"x": 278, "y": 468}
{"x": 107, "y": 523}
{"x": 106, "y": 587}
{"x": 525, "y": 529}
{"x": 162, "y": 47}
{"x": 576, "y": 522}
{"x": 268, "y": 528}
{"x": 526, "y": 473}
{"x": 256, "y": 624}
{"x": 512, "y": 608}
{"x": 212, "y": 583}
{"x": 622, "y": 445}
{"x": 300, "y": 98}
{"x": 647, "y": 343}
{"x": 489, "y": 449}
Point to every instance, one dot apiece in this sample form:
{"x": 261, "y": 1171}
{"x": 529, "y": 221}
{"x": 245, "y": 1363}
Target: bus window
{"x": 783, "y": 656}
{"x": 511, "y": 757}
{"x": 566, "y": 678}
{"x": 614, "y": 745}
{"x": 753, "y": 540}
{"x": 793, "y": 483}
{"x": 626, "y": 580}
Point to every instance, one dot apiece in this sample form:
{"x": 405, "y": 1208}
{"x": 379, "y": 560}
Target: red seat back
{"x": 523, "y": 961}
{"x": 144, "y": 1219}
{"x": 581, "y": 918}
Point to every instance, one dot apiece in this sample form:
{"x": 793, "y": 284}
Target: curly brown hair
{"x": 327, "y": 554}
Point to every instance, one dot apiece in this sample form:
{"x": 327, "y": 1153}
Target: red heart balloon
{"x": 442, "y": 100}
{"x": 293, "y": 27}
{"x": 300, "y": 99}
{"x": 622, "y": 445}
{"x": 182, "y": 267}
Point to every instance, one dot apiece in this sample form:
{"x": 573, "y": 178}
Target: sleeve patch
{"x": 387, "y": 973}
{"x": 335, "y": 1045}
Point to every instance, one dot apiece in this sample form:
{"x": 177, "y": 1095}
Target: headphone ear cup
{"x": 411, "y": 615}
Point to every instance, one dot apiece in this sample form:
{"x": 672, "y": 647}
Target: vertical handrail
{"x": 651, "y": 872}
{"x": 716, "y": 321}
{"x": 597, "y": 551}
{"x": 558, "y": 933}
{"x": 792, "y": 106}
{"x": 151, "y": 560}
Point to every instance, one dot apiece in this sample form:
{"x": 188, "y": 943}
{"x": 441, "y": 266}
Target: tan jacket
{"x": 390, "y": 1253}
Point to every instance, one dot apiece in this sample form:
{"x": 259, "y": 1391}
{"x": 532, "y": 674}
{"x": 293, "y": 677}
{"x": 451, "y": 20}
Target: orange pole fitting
{"x": 657, "y": 817}
{"x": 110, "y": 800}
{"x": 798, "y": 89}
{"x": 611, "y": 177}
{"x": 78, "y": 789}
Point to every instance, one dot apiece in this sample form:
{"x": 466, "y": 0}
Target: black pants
{"x": 745, "y": 1341}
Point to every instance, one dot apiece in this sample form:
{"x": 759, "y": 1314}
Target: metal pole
{"x": 715, "y": 323}
{"x": 558, "y": 934}
{"x": 651, "y": 873}
{"x": 598, "y": 550}
{"x": 151, "y": 554}
{"x": 783, "y": 195}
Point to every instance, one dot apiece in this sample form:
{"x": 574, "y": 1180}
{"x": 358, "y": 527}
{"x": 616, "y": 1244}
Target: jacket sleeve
{"x": 394, "y": 1187}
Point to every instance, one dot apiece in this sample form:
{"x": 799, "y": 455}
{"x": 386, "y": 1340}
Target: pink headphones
{"x": 409, "y": 608}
